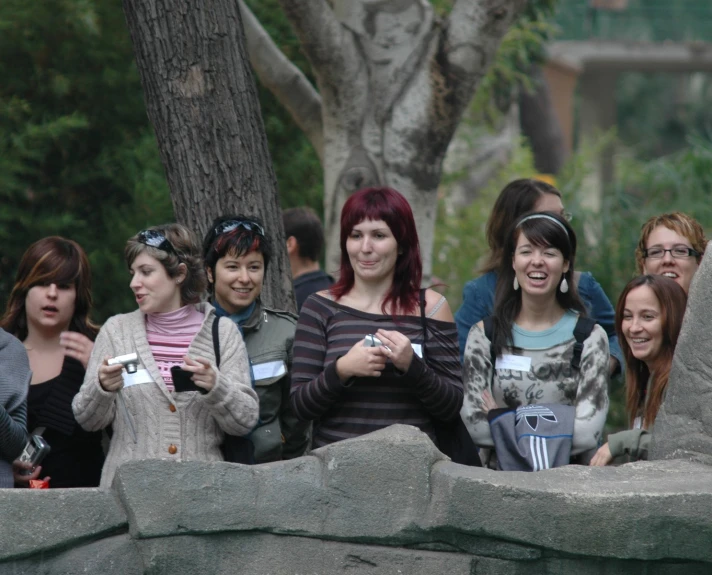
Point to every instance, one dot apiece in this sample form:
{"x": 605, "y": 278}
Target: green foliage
{"x": 77, "y": 155}
{"x": 677, "y": 182}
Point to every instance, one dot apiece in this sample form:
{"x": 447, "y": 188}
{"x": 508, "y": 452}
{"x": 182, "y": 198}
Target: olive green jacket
{"x": 269, "y": 336}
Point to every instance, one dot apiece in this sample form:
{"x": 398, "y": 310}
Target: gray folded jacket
{"x": 532, "y": 437}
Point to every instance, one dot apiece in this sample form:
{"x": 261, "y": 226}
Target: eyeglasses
{"x": 157, "y": 240}
{"x": 677, "y": 252}
{"x": 230, "y": 225}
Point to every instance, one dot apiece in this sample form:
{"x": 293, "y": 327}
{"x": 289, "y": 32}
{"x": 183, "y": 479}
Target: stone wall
{"x": 385, "y": 503}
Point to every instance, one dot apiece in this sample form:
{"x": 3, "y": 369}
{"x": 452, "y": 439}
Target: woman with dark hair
{"x": 517, "y": 198}
{"x": 237, "y": 251}
{"x": 537, "y": 309}
{"x": 649, "y": 317}
{"x": 359, "y": 346}
{"x": 172, "y": 401}
{"x": 48, "y": 310}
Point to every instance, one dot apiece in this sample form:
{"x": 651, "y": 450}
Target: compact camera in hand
{"x": 129, "y": 361}
{"x": 35, "y": 451}
{"x": 372, "y": 341}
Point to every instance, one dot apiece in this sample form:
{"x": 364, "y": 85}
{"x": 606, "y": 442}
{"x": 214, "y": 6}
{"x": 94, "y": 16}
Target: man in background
{"x": 305, "y": 243}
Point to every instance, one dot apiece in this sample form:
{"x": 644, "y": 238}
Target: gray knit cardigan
{"x": 15, "y": 378}
{"x": 175, "y": 426}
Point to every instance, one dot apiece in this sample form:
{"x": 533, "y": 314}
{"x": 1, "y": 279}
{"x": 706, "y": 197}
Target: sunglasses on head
{"x": 157, "y": 240}
{"x": 231, "y": 225}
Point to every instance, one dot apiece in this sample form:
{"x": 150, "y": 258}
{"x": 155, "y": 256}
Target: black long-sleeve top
{"x": 76, "y": 456}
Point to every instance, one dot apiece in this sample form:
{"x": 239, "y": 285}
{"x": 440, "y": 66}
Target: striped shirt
{"x": 169, "y": 336}
{"x": 327, "y": 330}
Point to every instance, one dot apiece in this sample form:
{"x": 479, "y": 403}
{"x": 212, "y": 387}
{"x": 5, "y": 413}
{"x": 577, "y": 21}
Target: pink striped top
{"x": 169, "y": 336}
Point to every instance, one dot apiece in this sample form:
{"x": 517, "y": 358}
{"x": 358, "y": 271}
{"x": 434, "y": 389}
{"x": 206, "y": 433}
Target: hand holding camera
{"x": 365, "y": 359}
{"x": 110, "y": 371}
{"x": 397, "y": 348}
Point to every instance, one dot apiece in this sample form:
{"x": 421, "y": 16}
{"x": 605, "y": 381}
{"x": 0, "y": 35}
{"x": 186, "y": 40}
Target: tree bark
{"x": 202, "y": 101}
{"x": 394, "y": 82}
{"x": 541, "y": 126}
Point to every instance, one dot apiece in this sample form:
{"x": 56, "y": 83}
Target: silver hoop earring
{"x": 515, "y": 284}
{"x": 564, "y": 286}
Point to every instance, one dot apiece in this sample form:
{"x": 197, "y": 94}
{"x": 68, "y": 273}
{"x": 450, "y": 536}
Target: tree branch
{"x": 287, "y": 82}
{"x": 472, "y": 35}
{"x": 329, "y": 46}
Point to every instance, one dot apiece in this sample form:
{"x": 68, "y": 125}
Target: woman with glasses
{"x": 517, "y": 198}
{"x": 48, "y": 310}
{"x": 237, "y": 252}
{"x": 527, "y": 357}
{"x": 171, "y": 400}
{"x": 671, "y": 245}
{"x": 648, "y": 318}
{"x": 375, "y": 349}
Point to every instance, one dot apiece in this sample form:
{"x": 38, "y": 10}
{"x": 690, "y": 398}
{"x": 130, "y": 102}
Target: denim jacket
{"x": 478, "y": 303}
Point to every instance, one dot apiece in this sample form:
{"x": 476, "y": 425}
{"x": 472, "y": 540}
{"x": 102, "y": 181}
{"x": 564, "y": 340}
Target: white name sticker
{"x": 141, "y": 376}
{"x": 417, "y": 349}
{"x": 268, "y": 370}
{"x": 513, "y": 362}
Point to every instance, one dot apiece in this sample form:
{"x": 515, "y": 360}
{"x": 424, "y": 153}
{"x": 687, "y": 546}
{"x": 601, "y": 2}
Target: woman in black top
{"x": 48, "y": 310}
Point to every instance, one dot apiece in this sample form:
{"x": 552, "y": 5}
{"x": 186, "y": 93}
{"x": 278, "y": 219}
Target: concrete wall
{"x": 388, "y": 502}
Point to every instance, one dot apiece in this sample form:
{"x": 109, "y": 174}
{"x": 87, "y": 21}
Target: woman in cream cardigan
{"x": 170, "y": 329}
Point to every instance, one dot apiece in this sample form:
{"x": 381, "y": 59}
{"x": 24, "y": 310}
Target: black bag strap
{"x": 583, "y": 329}
{"x": 423, "y": 321}
{"x": 216, "y": 340}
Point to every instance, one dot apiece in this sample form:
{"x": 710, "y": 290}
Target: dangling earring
{"x": 564, "y": 286}
{"x": 515, "y": 284}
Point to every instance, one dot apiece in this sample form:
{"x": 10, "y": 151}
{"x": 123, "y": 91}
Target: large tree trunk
{"x": 202, "y": 101}
{"x": 541, "y": 126}
{"x": 393, "y": 83}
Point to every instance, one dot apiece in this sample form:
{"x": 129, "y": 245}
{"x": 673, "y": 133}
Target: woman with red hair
{"x": 360, "y": 346}
{"x": 649, "y": 317}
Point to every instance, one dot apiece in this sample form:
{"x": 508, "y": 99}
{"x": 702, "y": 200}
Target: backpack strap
{"x": 216, "y": 340}
{"x": 423, "y": 321}
{"x": 583, "y": 329}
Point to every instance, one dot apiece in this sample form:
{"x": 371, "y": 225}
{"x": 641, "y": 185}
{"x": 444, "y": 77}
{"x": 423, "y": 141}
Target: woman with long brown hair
{"x": 48, "y": 310}
{"x": 649, "y": 316}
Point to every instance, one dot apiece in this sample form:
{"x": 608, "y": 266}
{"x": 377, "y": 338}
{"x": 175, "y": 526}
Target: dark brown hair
{"x": 672, "y": 299}
{"x": 51, "y": 260}
{"x": 516, "y": 198}
{"x": 542, "y": 229}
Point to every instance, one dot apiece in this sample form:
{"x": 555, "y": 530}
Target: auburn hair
{"x": 390, "y": 206}
{"x": 645, "y": 391}
{"x": 678, "y": 222}
{"x": 51, "y": 260}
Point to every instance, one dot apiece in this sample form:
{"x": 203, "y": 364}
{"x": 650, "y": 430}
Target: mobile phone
{"x": 34, "y": 452}
{"x": 372, "y": 341}
{"x": 183, "y": 381}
